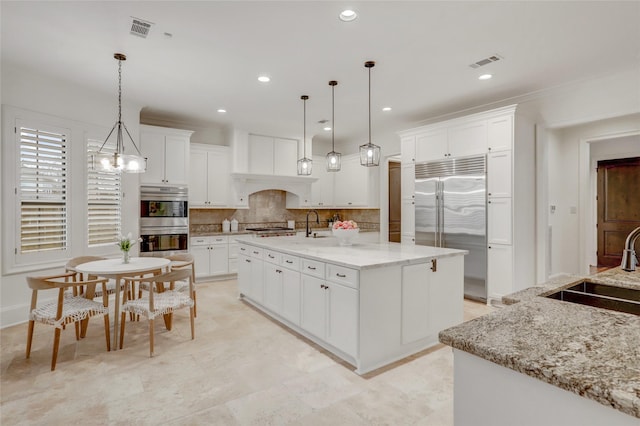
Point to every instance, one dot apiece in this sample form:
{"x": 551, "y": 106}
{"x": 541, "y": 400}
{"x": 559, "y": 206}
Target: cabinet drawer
{"x": 244, "y": 249}
{"x": 219, "y": 239}
{"x": 256, "y": 252}
{"x": 290, "y": 262}
{"x": 272, "y": 256}
{"x": 313, "y": 268}
{"x": 342, "y": 275}
{"x": 200, "y": 241}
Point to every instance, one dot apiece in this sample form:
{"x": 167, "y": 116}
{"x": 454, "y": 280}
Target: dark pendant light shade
{"x": 369, "y": 153}
{"x": 305, "y": 165}
{"x": 119, "y": 161}
{"x": 333, "y": 158}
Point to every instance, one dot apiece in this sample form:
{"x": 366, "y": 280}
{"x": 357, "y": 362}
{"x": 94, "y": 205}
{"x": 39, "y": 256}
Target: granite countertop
{"x": 215, "y": 234}
{"x": 358, "y": 255}
{"x": 592, "y": 352}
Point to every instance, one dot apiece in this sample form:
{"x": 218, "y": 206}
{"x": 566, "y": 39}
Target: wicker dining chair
{"x": 159, "y": 301}
{"x": 67, "y": 309}
{"x": 185, "y": 261}
{"x": 181, "y": 261}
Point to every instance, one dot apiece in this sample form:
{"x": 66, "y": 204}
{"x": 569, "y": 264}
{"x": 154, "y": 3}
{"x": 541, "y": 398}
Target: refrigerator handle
{"x": 437, "y": 236}
{"x": 440, "y": 213}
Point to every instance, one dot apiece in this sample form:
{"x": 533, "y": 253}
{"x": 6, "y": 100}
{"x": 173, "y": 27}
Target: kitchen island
{"x": 547, "y": 361}
{"x": 369, "y": 304}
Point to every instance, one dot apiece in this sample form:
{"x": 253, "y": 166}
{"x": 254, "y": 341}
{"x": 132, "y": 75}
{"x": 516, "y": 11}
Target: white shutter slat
{"x": 43, "y": 190}
{"x": 104, "y": 199}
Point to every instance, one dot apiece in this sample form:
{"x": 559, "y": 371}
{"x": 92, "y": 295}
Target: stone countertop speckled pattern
{"x": 592, "y": 352}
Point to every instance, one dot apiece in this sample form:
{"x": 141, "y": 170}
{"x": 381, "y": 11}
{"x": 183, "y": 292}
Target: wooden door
{"x": 395, "y": 201}
{"x": 618, "y": 207}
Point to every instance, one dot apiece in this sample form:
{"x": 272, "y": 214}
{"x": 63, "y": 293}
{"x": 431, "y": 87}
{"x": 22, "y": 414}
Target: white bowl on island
{"x": 345, "y": 236}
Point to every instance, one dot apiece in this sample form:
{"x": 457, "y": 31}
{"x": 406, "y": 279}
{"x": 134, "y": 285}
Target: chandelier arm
{"x": 132, "y": 141}
{"x": 108, "y": 136}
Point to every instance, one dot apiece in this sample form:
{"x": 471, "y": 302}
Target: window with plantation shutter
{"x": 42, "y": 189}
{"x": 104, "y": 198}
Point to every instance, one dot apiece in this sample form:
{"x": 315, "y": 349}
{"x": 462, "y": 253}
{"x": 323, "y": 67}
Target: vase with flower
{"x": 345, "y": 231}
{"x": 125, "y": 244}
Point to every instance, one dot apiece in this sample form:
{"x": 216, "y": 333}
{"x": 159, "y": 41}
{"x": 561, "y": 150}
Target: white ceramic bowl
{"x": 345, "y": 236}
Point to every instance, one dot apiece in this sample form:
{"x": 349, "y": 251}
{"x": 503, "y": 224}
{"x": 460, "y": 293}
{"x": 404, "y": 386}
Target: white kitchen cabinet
{"x": 209, "y": 176}
{"x": 342, "y": 317}
{"x": 354, "y": 184}
{"x": 499, "y": 230}
{"x": 314, "y": 305}
{"x": 408, "y": 150}
{"x": 455, "y": 141}
{"x": 273, "y": 156}
{"x": 273, "y": 279}
{"x": 322, "y": 189}
{"x": 431, "y": 145}
{"x": 211, "y": 255}
{"x": 167, "y": 152}
{"x": 256, "y": 288}
{"x": 500, "y": 133}
{"x": 499, "y": 271}
{"x": 244, "y": 274}
{"x": 468, "y": 139}
{"x": 408, "y": 212}
{"x": 408, "y": 180}
{"x": 499, "y": 174}
{"x": 291, "y": 290}
{"x": 426, "y": 291}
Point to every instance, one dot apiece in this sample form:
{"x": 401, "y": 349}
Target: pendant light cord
{"x": 333, "y": 118}
{"x": 304, "y": 128}
{"x": 369, "y": 104}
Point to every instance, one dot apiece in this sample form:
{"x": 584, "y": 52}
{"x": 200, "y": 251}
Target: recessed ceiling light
{"x": 485, "y": 77}
{"x": 222, "y": 110}
{"x": 348, "y": 15}
{"x": 326, "y": 129}
{"x": 386, "y": 109}
{"x": 264, "y": 79}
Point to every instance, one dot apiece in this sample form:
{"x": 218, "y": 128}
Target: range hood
{"x": 248, "y": 183}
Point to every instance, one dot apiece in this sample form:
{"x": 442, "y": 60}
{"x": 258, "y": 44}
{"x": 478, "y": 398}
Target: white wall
{"x": 36, "y": 92}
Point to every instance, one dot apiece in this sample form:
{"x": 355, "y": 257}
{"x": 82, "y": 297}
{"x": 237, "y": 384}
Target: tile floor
{"x": 242, "y": 369}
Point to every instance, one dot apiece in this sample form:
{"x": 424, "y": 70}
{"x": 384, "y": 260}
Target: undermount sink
{"x": 601, "y": 296}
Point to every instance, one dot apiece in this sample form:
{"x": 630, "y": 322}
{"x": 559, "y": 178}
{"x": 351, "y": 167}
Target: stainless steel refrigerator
{"x": 450, "y": 204}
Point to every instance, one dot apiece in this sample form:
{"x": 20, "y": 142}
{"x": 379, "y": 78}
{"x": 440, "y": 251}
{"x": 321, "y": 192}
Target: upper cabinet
{"x": 273, "y": 156}
{"x": 322, "y": 189}
{"x": 356, "y": 185}
{"x": 456, "y": 141}
{"x": 209, "y": 180}
{"x": 167, "y": 152}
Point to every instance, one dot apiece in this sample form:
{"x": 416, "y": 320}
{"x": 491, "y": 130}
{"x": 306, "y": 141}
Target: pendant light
{"x": 119, "y": 161}
{"x": 369, "y": 153}
{"x": 304, "y": 164}
{"x": 333, "y": 158}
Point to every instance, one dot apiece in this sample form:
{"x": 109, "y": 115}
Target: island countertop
{"x": 592, "y": 352}
{"x": 358, "y": 255}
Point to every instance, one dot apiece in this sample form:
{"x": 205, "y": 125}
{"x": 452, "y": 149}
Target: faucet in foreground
{"x": 308, "y": 232}
{"x": 629, "y": 259}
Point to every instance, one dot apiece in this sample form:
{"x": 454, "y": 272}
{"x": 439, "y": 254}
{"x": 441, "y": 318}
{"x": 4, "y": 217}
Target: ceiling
{"x": 422, "y": 50}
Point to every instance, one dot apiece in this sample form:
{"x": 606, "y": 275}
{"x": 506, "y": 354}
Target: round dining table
{"x": 116, "y": 269}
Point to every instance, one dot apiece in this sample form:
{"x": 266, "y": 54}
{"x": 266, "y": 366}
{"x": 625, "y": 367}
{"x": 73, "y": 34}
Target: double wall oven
{"x": 164, "y": 220}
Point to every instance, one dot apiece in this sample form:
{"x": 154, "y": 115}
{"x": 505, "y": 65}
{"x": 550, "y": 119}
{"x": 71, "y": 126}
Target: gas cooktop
{"x": 275, "y": 228}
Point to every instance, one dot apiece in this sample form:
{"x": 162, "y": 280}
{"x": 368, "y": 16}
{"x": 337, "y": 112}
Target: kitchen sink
{"x": 601, "y": 296}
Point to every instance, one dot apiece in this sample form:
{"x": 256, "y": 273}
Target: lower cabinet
{"x": 273, "y": 277}
{"x": 244, "y": 274}
{"x": 211, "y": 255}
{"x": 499, "y": 271}
{"x": 330, "y": 312}
{"x": 291, "y": 295}
{"x": 428, "y": 298}
{"x": 251, "y": 275}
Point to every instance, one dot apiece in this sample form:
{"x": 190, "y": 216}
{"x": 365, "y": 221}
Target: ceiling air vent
{"x": 485, "y": 61}
{"x": 140, "y": 27}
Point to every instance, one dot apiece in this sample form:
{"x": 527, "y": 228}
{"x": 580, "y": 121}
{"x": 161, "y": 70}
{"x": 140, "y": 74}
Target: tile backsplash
{"x": 268, "y": 208}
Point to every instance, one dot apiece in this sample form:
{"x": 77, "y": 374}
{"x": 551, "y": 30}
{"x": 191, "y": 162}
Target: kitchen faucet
{"x": 629, "y": 259}
{"x": 308, "y": 232}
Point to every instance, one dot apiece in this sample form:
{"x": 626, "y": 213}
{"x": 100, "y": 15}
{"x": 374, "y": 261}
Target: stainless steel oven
{"x": 164, "y": 220}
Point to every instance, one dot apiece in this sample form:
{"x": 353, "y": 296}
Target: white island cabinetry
{"x": 369, "y": 304}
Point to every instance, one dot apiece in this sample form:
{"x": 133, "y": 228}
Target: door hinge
{"x": 434, "y": 265}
